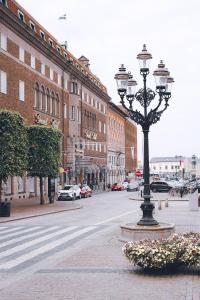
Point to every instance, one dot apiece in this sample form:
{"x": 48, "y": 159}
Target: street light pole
{"x": 126, "y": 87}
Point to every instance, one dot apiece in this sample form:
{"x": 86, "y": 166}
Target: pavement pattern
{"x": 86, "y": 262}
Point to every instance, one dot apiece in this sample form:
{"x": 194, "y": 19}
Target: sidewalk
{"x": 28, "y": 208}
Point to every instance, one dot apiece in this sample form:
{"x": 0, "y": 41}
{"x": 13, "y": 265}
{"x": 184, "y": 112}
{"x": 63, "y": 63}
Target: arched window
{"x": 52, "y": 104}
{"x": 43, "y": 100}
{"x": 48, "y": 101}
{"x": 37, "y": 96}
{"x": 57, "y": 112}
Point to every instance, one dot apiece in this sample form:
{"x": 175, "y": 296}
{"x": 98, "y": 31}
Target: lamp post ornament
{"x": 126, "y": 87}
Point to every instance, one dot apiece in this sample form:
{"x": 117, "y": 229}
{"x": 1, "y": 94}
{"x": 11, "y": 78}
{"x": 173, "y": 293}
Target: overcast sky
{"x": 111, "y": 32}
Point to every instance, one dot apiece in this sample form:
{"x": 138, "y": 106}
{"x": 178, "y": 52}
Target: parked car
{"x": 86, "y": 191}
{"x": 133, "y": 186}
{"x": 69, "y": 192}
{"x": 117, "y": 187}
{"x": 160, "y": 186}
{"x": 198, "y": 186}
{"x": 125, "y": 184}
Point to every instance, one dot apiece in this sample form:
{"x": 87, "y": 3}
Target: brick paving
{"x": 28, "y": 208}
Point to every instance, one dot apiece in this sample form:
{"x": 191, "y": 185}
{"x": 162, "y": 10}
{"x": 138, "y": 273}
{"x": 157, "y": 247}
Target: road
{"x": 76, "y": 254}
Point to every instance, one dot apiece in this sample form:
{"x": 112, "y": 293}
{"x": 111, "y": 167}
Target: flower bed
{"x": 179, "y": 249}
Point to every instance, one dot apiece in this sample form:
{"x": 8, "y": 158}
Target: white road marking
{"x": 19, "y": 232}
{"x": 21, "y": 259}
{"x": 2, "y": 227}
{"x": 113, "y": 218}
{"x": 4, "y": 234}
{"x": 35, "y": 242}
{"x": 21, "y": 238}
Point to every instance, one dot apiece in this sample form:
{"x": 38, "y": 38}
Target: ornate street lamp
{"x": 126, "y": 87}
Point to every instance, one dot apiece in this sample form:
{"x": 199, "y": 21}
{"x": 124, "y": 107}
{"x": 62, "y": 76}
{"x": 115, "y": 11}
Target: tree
{"x": 13, "y": 146}
{"x": 44, "y": 153}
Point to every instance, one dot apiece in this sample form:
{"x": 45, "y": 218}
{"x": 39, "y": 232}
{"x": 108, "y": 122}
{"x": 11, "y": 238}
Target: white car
{"x": 69, "y": 192}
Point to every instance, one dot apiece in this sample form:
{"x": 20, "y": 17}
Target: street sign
{"x": 138, "y": 173}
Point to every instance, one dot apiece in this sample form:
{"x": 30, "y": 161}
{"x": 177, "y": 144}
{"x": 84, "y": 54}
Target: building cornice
{"x": 11, "y": 21}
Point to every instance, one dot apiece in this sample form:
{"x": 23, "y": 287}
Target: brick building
{"x": 122, "y": 145}
{"x": 47, "y": 85}
{"x": 116, "y": 144}
{"x": 131, "y": 147}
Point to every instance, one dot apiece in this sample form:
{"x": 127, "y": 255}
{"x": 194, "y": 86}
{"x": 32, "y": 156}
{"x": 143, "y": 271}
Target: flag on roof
{"x": 63, "y": 17}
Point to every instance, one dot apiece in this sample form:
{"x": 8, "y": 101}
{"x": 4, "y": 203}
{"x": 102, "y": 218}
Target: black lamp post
{"x": 126, "y": 87}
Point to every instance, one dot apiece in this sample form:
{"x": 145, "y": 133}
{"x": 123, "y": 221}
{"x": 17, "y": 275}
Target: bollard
{"x": 159, "y": 205}
{"x": 166, "y": 203}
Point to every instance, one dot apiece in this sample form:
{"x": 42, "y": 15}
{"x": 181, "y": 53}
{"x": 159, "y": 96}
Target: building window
{"x": 57, "y": 112}
{"x": 99, "y": 126}
{"x": 32, "y": 26}
{"x": 66, "y": 84}
{"x": 37, "y": 96}
{"x": 21, "y": 90}
{"x": 166, "y": 167}
{"x": 52, "y": 108}
{"x": 73, "y": 113}
{"x": 172, "y": 167}
{"x": 3, "y": 41}
{"x": 96, "y": 146}
{"x": 50, "y": 42}
{"x": 43, "y": 69}
{"x": 3, "y": 82}
{"x": 99, "y": 147}
{"x": 21, "y": 54}
{"x": 48, "y": 101}
{"x": 105, "y": 148}
{"x": 42, "y": 35}
{"x": 21, "y": 15}
{"x": 43, "y": 99}
{"x": 74, "y": 88}
{"x": 32, "y": 61}
{"x": 4, "y": 2}
{"x": 65, "y": 111}
{"x": 59, "y": 79}
{"x": 51, "y": 74}
{"x": 104, "y": 128}
{"x": 58, "y": 49}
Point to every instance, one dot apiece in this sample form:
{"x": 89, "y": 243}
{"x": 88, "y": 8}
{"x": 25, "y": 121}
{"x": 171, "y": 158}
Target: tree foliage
{"x": 44, "y": 151}
{"x": 13, "y": 145}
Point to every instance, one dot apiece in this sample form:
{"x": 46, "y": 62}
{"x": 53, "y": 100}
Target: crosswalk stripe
{"x": 3, "y": 234}
{"x": 2, "y": 228}
{"x": 6, "y": 236}
{"x": 19, "y": 232}
{"x": 15, "y": 262}
{"x": 21, "y": 238}
{"x": 35, "y": 242}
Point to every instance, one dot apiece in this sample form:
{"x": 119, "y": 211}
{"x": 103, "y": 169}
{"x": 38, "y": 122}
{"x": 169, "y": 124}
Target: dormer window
{"x": 65, "y": 55}
{"x": 21, "y": 15}
{"x": 42, "y": 35}
{"x": 58, "y": 49}
{"x": 32, "y": 26}
{"x": 50, "y": 42}
{"x": 4, "y": 2}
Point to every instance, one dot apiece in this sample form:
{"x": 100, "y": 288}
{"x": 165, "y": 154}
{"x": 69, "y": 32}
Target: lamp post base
{"x": 134, "y": 232}
{"x": 147, "y": 218}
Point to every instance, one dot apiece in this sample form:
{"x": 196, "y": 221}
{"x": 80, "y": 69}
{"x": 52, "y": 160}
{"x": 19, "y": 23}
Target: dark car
{"x": 86, "y": 191}
{"x": 160, "y": 186}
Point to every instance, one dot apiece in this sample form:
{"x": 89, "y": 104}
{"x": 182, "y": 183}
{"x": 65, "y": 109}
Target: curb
{"x": 136, "y": 199}
{"x": 41, "y": 214}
